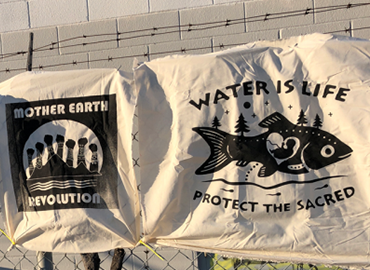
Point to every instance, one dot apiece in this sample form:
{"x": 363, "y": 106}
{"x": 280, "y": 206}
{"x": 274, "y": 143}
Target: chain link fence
{"x": 140, "y": 258}
{"x": 137, "y": 258}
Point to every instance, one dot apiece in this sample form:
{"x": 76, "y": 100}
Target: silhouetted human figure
{"x": 40, "y": 149}
{"x": 30, "y": 153}
{"x": 70, "y": 145}
{"x": 81, "y": 151}
{"x": 48, "y": 139}
{"x": 94, "y": 158}
{"x": 60, "y": 142}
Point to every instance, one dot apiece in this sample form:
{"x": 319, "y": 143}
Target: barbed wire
{"x": 186, "y": 27}
{"x": 148, "y": 54}
{"x": 209, "y": 25}
{"x": 179, "y": 29}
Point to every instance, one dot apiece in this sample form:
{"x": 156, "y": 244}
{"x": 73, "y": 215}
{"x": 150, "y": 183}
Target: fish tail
{"x": 217, "y": 141}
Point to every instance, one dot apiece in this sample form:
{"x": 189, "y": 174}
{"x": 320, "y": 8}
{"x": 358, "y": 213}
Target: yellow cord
{"x": 7, "y": 236}
{"x": 147, "y": 246}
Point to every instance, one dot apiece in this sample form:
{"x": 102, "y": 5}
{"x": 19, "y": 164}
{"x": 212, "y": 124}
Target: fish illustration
{"x": 285, "y": 147}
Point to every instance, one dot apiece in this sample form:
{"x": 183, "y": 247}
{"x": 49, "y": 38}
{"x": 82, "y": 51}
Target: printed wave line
{"x": 62, "y": 185}
{"x": 324, "y": 186}
{"x": 277, "y": 194}
{"x": 58, "y": 184}
{"x": 54, "y": 182}
{"x": 274, "y": 186}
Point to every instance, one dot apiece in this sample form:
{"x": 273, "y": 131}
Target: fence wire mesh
{"x": 140, "y": 258}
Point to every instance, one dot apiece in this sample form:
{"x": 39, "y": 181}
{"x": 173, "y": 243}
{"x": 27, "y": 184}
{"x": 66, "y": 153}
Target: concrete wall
{"x": 54, "y": 21}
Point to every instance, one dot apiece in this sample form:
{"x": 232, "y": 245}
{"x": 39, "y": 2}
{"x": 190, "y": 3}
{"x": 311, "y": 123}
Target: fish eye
{"x": 327, "y": 151}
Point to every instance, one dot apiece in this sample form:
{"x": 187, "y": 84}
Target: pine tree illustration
{"x": 317, "y": 123}
{"x": 301, "y": 119}
{"x": 216, "y": 123}
{"x": 242, "y": 125}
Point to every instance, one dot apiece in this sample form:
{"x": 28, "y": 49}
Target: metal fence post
{"x": 30, "y": 53}
{"x": 44, "y": 260}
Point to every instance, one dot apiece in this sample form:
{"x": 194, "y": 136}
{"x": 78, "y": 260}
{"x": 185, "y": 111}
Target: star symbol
{"x": 330, "y": 114}
{"x": 267, "y": 103}
{"x": 227, "y": 111}
{"x": 254, "y": 115}
{"x": 290, "y": 107}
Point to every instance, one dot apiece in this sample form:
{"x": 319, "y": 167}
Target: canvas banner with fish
{"x": 67, "y": 181}
{"x": 260, "y": 151}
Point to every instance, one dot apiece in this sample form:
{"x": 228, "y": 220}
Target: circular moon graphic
{"x": 70, "y": 130}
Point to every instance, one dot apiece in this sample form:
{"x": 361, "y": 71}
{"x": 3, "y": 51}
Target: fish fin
{"x": 242, "y": 163}
{"x": 275, "y": 120}
{"x": 266, "y": 171}
{"x": 217, "y": 141}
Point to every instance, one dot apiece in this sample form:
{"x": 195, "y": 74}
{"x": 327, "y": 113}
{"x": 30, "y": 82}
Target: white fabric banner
{"x": 67, "y": 181}
{"x": 260, "y": 151}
